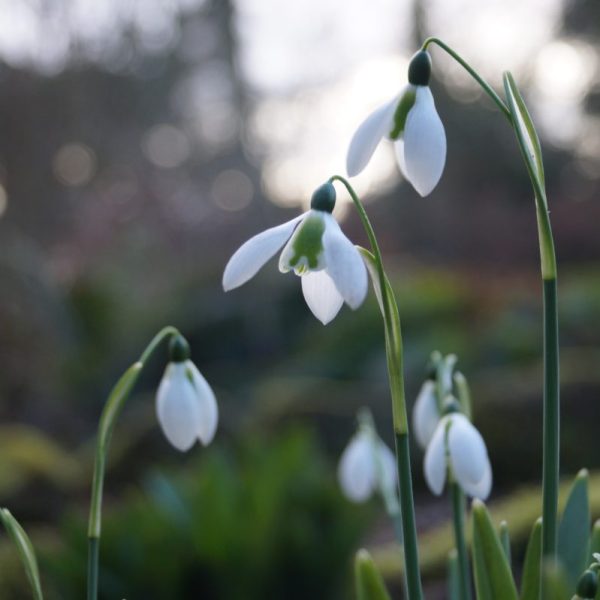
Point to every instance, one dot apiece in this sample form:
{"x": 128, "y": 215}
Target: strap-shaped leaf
{"x": 505, "y": 540}
{"x": 530, "y": 582}
{"x": 528, "y": 137}
{"x": 595, "y": 541}
{"x": 453, "y": 576}
{"x": 493, "y": 578}
{"x": 555, "y": 583}
{"x": 574, "y": 530}
{"x": 25, "y": 550}
{"x": 368, "y": 580}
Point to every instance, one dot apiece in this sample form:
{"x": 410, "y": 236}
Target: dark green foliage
{"x": 266, "y": 521}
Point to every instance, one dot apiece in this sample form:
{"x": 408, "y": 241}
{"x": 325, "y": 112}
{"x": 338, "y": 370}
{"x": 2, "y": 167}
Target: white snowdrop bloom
{"x": 426, "y": 413}
{"x": 457, "y": 445}
{"x": 186, "y": 406}
{"x": 366, "y": 465}
{"x": 411, "y": 121}
{"x": 331, "y": 268}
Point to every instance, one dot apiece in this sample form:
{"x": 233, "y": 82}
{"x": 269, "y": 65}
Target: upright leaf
{"x": 505, "y": 540}
{"x": 530, "y": 582}
{"x": 574, "y": 530}
{"x": 493, "y": 578}
{"x": 453, "y": 576}
{"x": 368, "y": 580}
{"x": 25, "y": 550}
{"x": 556, "y": 586}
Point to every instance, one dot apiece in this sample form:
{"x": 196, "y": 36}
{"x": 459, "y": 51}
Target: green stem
{"x": 487, "y": 88}
{"x": 117, "y": 398}
{"x": 551, "y": 443}
{"x": 458, "y": 519}
{"x": 393, "y": 346}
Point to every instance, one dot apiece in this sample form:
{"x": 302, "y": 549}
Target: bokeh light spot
{"x": 166, "y": 146}
{"x": 74, "y": 164}
{"x": 232, "y": 190}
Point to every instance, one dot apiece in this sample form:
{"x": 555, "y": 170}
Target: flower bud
{"x": 587, "y": 586}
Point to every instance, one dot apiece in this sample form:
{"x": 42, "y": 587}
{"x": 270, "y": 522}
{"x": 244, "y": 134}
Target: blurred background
{"x": 141, "y": 142}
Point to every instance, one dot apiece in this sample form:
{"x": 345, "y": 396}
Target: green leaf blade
{"x": 25, "y": 551}
{"x": 531, "y": 579}
{"x": 574, "y": 530}
{"x": 368, "y": 580}
{"x": 493, "y": 577}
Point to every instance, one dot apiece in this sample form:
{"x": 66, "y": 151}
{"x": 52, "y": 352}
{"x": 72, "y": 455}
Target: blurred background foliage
{"x": 142, "y": 142}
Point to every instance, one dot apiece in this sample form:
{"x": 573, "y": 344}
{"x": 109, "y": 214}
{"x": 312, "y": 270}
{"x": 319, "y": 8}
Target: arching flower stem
{"x": 393, "y": 346}
{"x": 487, "y": 88}
{"x": 518, "y": 116}
{"x": 115, "y": 402}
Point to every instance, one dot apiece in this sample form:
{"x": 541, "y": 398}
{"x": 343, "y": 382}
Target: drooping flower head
{"x": 458, "y": 449}
{"x": 411, "y": 121}
{"x": 367, "y": 465}
{"x": 185, "y": 403}
{"x": 330, "y": 267}
{"x": 426, "y": 413}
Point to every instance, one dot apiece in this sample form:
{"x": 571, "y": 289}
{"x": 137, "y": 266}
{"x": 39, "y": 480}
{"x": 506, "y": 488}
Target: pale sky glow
{"x": 315, "y": 69}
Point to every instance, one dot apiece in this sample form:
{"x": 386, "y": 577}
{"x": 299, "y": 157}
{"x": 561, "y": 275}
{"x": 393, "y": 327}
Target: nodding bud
{"x": 323, "y": 198}
{"x": 419, "y": 69}
{"x": 179, "y": 349}
{"x": 450, "y": 405}
{"x": 587, "y": 586}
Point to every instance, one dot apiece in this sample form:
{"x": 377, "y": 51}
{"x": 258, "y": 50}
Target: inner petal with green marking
{"x": 304, "y": 251}
{"x": 407, "y": 101}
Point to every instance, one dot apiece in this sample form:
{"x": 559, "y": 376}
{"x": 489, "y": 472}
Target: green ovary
{"x": 307, "y": 245}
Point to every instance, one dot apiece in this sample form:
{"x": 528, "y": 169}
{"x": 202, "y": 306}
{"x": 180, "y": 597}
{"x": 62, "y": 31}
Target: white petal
{"x": 387, "y": 465}
{"x": 424, "y": 143}
{"x": 313, "y": 220}
{"x": 366, "y": 138}
{"x": 426, "y": 415}
{"x": 209, "y": 412}
{"x": 356, "y": 471}
{"x": 177, "y": 407}
{"x": 252, "y": 255}
{"x": 468, "y": 455}
{"x": 321, "y": 295}
{"x": 400, "y": 160}
{"x": 484, "y": 487}
{"x": 435, "y": 459}
{"x": 344, "y": 264}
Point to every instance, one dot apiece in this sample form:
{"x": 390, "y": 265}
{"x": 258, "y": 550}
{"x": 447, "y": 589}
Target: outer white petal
{"x": 321, "y": 295}
{"x": 368, "y": 135}
{"x": 424, "y": 143}
{"x": 435, "y": 459}
{"x": 177, "y": 407}
{"x": 484, "y": 487}
{"x": 344, "y": 264}
{"x": 253, "y": 254}
{"x": 356, "y": 471}
{"x": 400, "y": 160}
{"x": 426, "y": 415}
{"x": 468, "y": 455}
{"x": 209, "y": 411}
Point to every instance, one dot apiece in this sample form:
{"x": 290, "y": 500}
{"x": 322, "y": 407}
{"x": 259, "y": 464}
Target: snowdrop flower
{"x": 411, "y": 121}
{"x": 185, "y": 404}
{"x": 367, "y": 465}
{"x": 314, "y": 247}
{"x": 458, "y": 446}
{"x": 426, "y": 413}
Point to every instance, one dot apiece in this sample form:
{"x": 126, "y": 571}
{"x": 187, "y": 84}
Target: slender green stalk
{"x": 117, "y": 398}
{"x": 487, "y": 88}
{"x": 458, "y": 519}
{"x": 394, "y": 355}
{"x": 518, "y": 116}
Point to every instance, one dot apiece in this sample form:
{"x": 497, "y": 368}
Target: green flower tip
{"x": 587, "y": 586}
{"x": 419, "y": 69}
{"x": 323, "y": 198}
{"x": 179, "y": 349}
